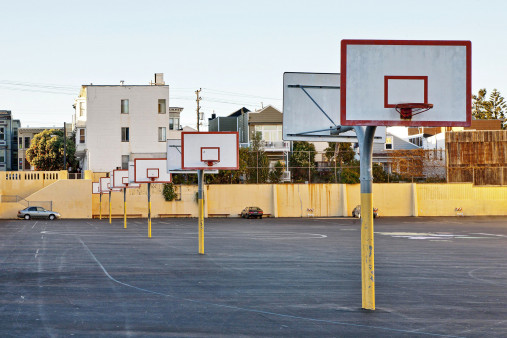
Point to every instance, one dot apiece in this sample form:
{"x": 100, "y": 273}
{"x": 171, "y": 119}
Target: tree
{"x": 302, "y": 161}
{"x": 495, "y": 108}
{"x": 46, "y": 151}
{"x": 275, "y": 175}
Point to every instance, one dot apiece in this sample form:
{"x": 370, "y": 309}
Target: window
{"x": 125, "y": 134}
{"x": 161, "y": 134}
{"x": 2, "y": 156}
{"x": 161, "y": 106}
{"x": 124, "y": 106}
{"x": 81, "y": 136}
{"x": 174, "y": 123}
{"x": 2, "y": 133}
{"x": 124, "y": 161}
{"x": 81, "y": 109}
{"x": 389, "y": 142}
{"x": 270, "y": 133}
{"x": 27, "y": 142}
{"x": 20, "y": 142}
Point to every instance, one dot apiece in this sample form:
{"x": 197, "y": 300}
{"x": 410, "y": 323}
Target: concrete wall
{"x": 73, "y": 199}
{"x": 25, "y": 183}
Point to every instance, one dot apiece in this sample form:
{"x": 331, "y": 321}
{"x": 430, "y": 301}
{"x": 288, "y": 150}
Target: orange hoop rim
{"x": 407, "y": 110}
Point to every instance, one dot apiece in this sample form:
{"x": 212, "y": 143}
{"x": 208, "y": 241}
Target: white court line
{"x": 35, "y": 224}
{"x": 236, "y": 308}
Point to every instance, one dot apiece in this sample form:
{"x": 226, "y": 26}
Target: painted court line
{"x": 253, "y": 310}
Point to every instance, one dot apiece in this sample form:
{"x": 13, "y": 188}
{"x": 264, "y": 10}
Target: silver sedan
{"x": 37, "y": 212}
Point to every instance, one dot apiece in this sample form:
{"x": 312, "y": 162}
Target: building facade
{"x": 8, "y": 141}
{"x": 115, "y": 124}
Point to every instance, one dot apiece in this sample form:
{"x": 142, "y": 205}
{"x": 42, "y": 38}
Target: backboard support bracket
{"x": 302, "y": 87}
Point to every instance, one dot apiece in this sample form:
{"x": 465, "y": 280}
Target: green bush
{"x": 169, "y": 193}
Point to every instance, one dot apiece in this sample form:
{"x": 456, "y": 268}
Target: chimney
{"x": 159, "y": 79}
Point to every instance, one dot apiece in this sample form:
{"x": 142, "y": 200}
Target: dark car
{"x": 249, "y": 212}
{"x": 357, "y": 212}
{"x": 37, "y": 212}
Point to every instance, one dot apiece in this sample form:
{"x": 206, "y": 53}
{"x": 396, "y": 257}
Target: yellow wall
{"x": 443, "y": 199}
{"x": 137, "y": 202}
{"x": 73, "y": 198}
{"x": 24, "y": 183}
{"x": 295, "y": 200}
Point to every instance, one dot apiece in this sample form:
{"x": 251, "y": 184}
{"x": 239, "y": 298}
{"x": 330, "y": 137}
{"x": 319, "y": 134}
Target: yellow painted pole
{"x": 125, "y": 208}
{"x": 367, "y": 252}
{"x": 365, "y": 137}
{"x": 201, "y": 226}
{"x": 109, "y": 207}
{"x": 200, "y": 195}
{"x": 100, "y": 206}
{"x": 149, "y": 210}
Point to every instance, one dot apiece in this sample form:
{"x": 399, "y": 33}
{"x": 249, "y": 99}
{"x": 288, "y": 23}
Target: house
{"x": 8, "y": 141}
{"x": 25, "y": 136}
{"x": 266, "y": 121}
{"x": 115, "y": 124}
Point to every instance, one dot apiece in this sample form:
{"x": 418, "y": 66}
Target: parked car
{"x": 37, "y": 212}
{"x": 254, "y": 212}
{"x": 357, "y": 212}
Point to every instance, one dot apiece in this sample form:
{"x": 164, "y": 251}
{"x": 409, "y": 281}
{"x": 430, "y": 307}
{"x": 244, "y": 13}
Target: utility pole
{"x": 64, "y": 146}
{"x": 197, "y": 92}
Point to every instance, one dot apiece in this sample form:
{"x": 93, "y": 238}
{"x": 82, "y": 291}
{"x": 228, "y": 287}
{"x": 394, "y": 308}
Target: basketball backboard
{"x": 384, "y": 80}
{"x": 121, "y": 179}
{"x": 151, "y": 170}
{"x": 174, "y": 159}
{"x": 311, "y": 109}
{"x": 210, "y": 150}
{"x": 95, "y": 187}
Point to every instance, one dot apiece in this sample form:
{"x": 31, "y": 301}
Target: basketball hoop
{"x": 210, "y": 163}
{"x": 407, "y": 110}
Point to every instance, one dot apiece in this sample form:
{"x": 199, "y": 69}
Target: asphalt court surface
{"x": 269, "y": 277}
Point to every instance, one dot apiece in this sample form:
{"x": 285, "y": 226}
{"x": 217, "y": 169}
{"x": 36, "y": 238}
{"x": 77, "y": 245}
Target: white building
{"x": 115, "y": 124}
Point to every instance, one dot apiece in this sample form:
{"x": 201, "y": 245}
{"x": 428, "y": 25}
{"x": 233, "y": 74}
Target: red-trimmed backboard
{"x": 225, "y": 145}
{"x": 377, "y": 75}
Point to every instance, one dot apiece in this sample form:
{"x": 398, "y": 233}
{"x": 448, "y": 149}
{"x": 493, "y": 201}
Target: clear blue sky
{"x": 236, "y": 51}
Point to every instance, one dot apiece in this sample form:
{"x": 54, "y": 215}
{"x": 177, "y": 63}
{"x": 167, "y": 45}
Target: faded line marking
{"x": 232, "y": 307}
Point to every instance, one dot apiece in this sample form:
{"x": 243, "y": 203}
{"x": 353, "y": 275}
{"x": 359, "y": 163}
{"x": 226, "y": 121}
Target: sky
{"x": 236, "y": 51}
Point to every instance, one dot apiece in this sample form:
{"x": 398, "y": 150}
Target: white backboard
{"x": 194, "y": 145}
{"x": 121, "y": 179}
{"x": 145, "y": 169}
{"x": 105, "y": 184}
{"x": 174, "y": 159}
{"x": 311, "y": 108}
{"x": 379, "y": 74}
{"x": 95, "y": 187}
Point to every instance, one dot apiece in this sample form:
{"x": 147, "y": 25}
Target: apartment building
{"x": 8, "y": 141}
{"x": 115, "y": 124}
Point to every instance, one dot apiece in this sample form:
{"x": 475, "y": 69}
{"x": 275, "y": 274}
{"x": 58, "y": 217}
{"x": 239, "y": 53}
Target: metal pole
{"x": 109, "y": 206}
{"x": 100, "y": 207}
{"x": 200, "y": 176}
{"x": 125, "y": 208}
{"x": 149, "y": 210}
{"x": 365, "y": 137}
